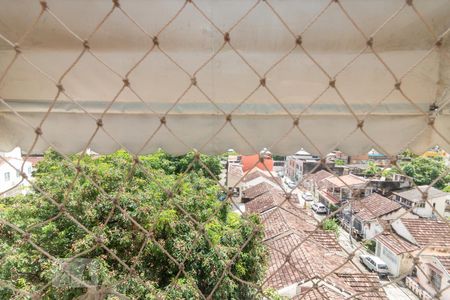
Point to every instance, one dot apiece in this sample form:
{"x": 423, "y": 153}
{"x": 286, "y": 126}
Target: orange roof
{"x": 249, "y": 161}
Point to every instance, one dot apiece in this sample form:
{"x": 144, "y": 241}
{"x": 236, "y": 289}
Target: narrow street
{"x": 395, "y": 291}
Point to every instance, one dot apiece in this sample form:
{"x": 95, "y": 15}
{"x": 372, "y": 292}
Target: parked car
{"x": 319, "y": 208}
{"x": 374, "y": 264}
{"x": 307, "y": 196}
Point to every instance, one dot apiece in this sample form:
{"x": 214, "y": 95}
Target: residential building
{"x": 409, "y": 237}
{"x": 299, "y": 164}
{"x": 262, "y": 161}
{"x": 415, "y": 198}
{"x": 386, "y": 186}
{"x": 339, "y": 190}
{"x": 300, "y": 255}
{"x": 370, "y": 215}
{"x": 314, "y": 182}
{"x": 233, "y": 182}
{"x": 257, "y": 176}
{"x": 11, "y": 180}
{"x": 431, "y": 278}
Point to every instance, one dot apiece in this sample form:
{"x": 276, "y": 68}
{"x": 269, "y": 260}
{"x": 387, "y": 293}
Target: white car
{"x": 319, "y": 208}
{"x": 307, "y": 196}
{"x": 374, "y": 264}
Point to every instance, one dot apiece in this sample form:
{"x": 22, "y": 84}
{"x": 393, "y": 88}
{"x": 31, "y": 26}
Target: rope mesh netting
{"x": 201, "y": 77}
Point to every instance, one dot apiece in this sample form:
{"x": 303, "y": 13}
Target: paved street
{"x": 394, "y": 291}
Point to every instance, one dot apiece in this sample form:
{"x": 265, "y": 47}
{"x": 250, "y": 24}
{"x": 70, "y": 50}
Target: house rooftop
{"x": 234, "y": 174}
{"x": 374, "y": 206}
{"x": 346, "y": 180}
{"x": 264, "y": 201}
{"x": 445, "y": 261}
{"x": 318, "y": 176}
{"x": 414, "y": 195}
{"x": 256, "y": 190}
{"x": 258, "y": 173}
{"x": 428, "y": 232}
{"x": 395, "y": 243}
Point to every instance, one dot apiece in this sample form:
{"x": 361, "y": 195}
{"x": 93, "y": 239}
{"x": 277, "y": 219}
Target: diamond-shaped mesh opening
{"x": 224, "y": 150}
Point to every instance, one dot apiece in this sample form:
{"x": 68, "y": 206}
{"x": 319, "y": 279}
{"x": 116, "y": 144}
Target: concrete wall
{"x": 427, "y": 263}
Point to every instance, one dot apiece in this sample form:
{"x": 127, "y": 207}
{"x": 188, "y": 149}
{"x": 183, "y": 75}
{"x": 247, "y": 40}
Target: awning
{"x": 214, "y": 75}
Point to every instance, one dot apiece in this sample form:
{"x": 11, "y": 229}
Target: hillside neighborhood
{"x": 383, "y": 216}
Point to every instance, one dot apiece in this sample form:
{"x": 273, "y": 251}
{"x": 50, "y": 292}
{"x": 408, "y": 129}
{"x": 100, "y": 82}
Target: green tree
{"x": 372, "y": 169}
{"x": 424, "y": 171}
{"x": 331, "y": 225}
{"x": 188, "y": 227}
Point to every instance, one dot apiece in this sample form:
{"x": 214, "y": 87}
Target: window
{"x": 7, "y": 177}
{"x": 435, "y": 280}
{"x": 420, "y": 204}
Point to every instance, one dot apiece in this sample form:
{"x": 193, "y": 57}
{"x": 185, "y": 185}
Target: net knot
{"x": 333, "y": 83}
{"x": 263, "y": 81}
{"x": 38, "y": 131}
{"x": 370, "y": 42}
{"x": 226, "y": 37}
{"x": 299, "y": 40}
{"x": 99, "y": 122}
{"x": 86, "y": 44}
{"x": 163, "y": 120}
{"x": 228, "y": 118}
{"x": 44, "y": 4}
{"x": 17, "y": 48}
{"x": 398, "y": 84}
{"x": 194, "y": 81}
{"x": 116, "y": 3}
{"x": 155, "y": 41}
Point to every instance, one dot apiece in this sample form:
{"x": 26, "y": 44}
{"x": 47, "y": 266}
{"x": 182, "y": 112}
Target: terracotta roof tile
{"x": 318, "y": 176}
{"x": 374, "y": 206}
{"x": 445, "y": 261}
{"x": 257, "y": 190}
{"x": 344, "y": 180}
{"x": 322, "y": 292}
{"x": 395, "y": 243}
{"x": 264, "y": 202}
{"x": 428, "y": 232}
{"x": 369, "y": 284}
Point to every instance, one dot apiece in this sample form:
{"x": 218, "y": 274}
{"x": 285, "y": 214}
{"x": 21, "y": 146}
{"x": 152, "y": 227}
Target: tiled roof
{"x": 234, "y": 174}
{"x": 322, "y": 292}
{"x": 368, "y": 284}
{"x": 318, "y": 176}
{"x": 252, "y": 161}
{"x": 264, "y": 202}
{"x": 395, "y": 243}
{"x": 415, "y": 195}
{"x": 345, "y": 180}
{"x": 428, "y": 232}
{"x": 257, "y": 173}
{"x": 445, "y": 261}
{"x": 257, "y": 190}
{"x": 374, "y": 206}
{"x": 274, "y": 223}
{"x": 307, "y": 260}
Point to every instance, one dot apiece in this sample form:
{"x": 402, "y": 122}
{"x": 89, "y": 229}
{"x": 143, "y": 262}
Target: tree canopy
{"x": 192, "y": 238}
{"x": 424, "y": 171}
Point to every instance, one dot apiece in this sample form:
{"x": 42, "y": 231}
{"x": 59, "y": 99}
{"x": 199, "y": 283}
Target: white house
{"x": 11, "y": 166}
{"x": 436, "y": 199}
{"x": 370, "y": 214}
{"x": 410, "y": 237}
{"x": 431, "y": 277}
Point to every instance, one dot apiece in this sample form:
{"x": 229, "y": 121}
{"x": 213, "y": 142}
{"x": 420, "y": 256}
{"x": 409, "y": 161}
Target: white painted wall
{"x": 423, "y": 276}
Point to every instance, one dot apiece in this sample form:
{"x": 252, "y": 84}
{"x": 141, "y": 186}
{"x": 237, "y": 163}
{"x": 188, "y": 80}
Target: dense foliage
{"x": 155, "y": 193}
{"x": 425, "y": 170}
